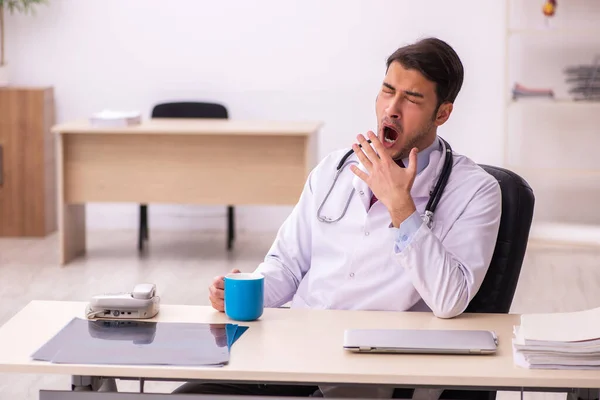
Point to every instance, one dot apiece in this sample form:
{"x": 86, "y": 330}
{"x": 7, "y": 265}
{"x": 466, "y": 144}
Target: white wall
{"x": 264, "y": 59}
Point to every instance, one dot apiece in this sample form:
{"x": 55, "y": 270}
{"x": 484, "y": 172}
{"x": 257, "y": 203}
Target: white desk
{"x": 301, "y": 346}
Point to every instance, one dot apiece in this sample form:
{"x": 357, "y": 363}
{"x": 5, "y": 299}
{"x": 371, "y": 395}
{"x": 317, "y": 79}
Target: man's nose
{"x": 392, "y": 111}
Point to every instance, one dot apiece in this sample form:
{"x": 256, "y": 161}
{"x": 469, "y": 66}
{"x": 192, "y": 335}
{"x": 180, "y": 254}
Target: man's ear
{"x": 443, "y": 113}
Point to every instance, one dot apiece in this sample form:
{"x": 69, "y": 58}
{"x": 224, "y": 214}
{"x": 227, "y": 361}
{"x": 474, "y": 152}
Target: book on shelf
{"x": 584, "y": 81}
{"x": 520, "y": 91}
{"x": 558, "y": 340}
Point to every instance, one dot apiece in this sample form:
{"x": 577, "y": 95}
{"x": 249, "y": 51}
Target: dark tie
{"x": 373, "y": 198}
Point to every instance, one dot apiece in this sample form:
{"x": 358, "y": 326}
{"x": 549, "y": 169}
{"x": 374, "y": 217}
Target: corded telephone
{"x": 142, "y": 302}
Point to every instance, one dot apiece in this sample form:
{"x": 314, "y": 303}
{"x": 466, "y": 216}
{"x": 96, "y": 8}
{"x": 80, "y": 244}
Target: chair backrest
{"x": 189, "y": 109}
{"x": 499, "y": 285}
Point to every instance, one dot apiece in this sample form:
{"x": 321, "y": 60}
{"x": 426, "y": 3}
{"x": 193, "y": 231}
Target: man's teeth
{"x": 387, "y": 139}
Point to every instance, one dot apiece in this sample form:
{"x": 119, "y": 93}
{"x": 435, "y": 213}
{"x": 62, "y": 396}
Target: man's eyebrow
{"x": 414, "y": 94}
{"x": 406, "y": 92}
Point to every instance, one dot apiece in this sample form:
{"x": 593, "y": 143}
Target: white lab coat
{"x": 352, "y": 264}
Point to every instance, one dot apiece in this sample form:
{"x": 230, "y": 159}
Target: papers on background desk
{"x": 558, "y": 341}
{"x": 110, "y": 118}
{"x": 134, "y": 342}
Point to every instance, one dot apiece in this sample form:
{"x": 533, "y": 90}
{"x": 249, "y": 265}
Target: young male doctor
{"x": 364, "y": 245}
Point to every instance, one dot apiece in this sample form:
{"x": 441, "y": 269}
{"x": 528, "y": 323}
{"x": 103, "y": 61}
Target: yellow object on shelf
{"x": 549, "y": 8}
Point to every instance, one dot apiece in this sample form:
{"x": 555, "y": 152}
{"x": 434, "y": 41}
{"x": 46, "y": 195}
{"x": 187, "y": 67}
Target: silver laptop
{"x": 420, "y": 341}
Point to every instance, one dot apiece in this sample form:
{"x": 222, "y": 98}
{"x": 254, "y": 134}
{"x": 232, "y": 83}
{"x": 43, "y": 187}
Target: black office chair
{"x": 500, "y": 283}
{"x": 187, "y": 110}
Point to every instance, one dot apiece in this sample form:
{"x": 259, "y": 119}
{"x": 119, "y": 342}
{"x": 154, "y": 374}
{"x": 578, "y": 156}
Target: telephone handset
{"x": 142, "y": 302}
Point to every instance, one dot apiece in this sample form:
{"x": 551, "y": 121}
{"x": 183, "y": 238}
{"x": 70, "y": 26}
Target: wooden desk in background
{"x": 178, "y": 161}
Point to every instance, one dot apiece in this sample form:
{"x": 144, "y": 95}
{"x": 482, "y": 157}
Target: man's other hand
{"x": 216, "y": 292}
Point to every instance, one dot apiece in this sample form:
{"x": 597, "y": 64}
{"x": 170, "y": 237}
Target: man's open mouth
{"x": 390, "y": 135}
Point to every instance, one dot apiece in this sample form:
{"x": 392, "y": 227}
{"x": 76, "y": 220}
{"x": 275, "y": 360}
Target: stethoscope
{"x": 434, "y": 195}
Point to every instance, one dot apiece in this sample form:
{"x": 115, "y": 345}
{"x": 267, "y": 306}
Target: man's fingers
{"x": 358, "y": 172}
{"x": 412, "y": 162}
{"x": 219, "y": 282}
{"x": 377, "y": 144}
{"x": 218, "y": 305}
{"x": 366, "y": 147}
{"x": 362, "y": 157}
{"x": 217, "y": 293}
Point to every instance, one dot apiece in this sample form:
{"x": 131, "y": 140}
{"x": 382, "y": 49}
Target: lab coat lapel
{"x": 425, "y": 181}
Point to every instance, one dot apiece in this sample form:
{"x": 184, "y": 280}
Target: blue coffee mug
{"x": 244, "y": 296}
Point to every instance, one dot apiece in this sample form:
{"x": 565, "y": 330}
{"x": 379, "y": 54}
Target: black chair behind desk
{"x": 187, "y": 110}
{"x": 500, "y": 283}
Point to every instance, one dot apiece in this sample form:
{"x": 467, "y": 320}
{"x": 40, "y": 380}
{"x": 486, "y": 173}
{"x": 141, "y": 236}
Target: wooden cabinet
{"x": 27, "y": 162}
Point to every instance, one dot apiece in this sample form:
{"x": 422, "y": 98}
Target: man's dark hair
{"x": 437, "y": 61}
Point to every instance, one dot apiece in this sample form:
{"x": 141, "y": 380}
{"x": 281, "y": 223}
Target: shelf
{"x": 565, "y": 233}
{"x": 594, "y": 32}
{"x": 579, "y": 172}
{"x": 537, "y": 52}
{"x": 553, "y": 103}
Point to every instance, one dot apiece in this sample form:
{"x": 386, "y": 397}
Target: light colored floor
{"x": 182, "y": 265}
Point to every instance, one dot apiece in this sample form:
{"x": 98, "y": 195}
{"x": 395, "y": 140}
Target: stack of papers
{"x": 558, "y": 341}
{"x": 110, "y": 118}
{"x": 134, "y": 342}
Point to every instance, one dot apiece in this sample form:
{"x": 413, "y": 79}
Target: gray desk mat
{"x": 135, "y": 342}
